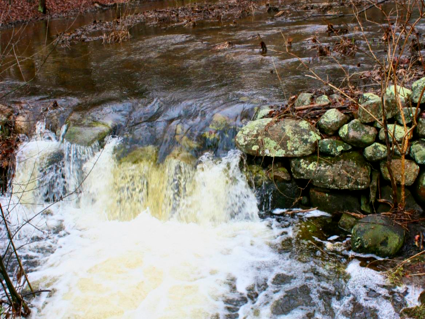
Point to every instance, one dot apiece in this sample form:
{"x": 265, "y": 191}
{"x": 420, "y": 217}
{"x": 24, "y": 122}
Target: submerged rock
{"x": 285, "y": 138}
{"x": 376, "y": 234}
{"x": 333, "y": 201}
{"x": 347, "y": 171}
{"x": 331, "y": 121}
{"x": 333, "y": 147}
{"x": 417, "y": 151}
{"x": 417, "y": 88}
{"x": 358, "y": 134}
{"x": 411, "y": 170}
{"x": 375, "y": 152}
{"x": 304, "y": 99}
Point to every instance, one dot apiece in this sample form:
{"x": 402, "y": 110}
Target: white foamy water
{"x": 180, "y": 239}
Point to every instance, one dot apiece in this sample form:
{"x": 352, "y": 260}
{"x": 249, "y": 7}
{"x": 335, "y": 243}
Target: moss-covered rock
{"x": 394, "y": 130}
{"x": 409, "y": 113}
{"x": 347, "y": 222}
{"x": 375, "y": 152}
{"x": 417, "y": 151}
{"x": 417, "y": 88}
{"x": 347, "y": 171}
{"x": 411, "y": 170}
{"x": 262, "y": 112}
{"x": 285, "y": 138}
{"x": 394, "y": 96}
{"x": 304, "y": 99}
{"x": 333, "y": 147}
{"x": 323, "y": 99}
{"x": 331, "y": 121}
{"x": 278, "y": 173}
{"x": 376, "y": 234}
{"x": 139, "y": 155}
{"x": 358, "y": 134}
{"x": 334, "y": 202}
{"x": 87, "y": 135}
{"x": 420, "y": 128}
{"x": 370, "y": 108}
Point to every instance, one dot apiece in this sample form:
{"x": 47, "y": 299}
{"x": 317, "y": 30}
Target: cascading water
{"x": 132, "y": 238}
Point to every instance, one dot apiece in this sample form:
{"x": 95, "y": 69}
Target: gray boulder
{"x": 331, "y": 121}
{"x": 284, "y": 138}
{"x": 375, "y": 152}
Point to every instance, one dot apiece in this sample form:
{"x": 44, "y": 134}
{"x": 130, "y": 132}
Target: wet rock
{"x": 387, "y": 194}
{"x": 285, "y": 138}
{"x": 292, "y": 299}
{"x": 375, "y": 152}
{"x": 347, "y": 222}
{"x": 333, "y": 147}
{"x": 409, "y": 113}
{"x": 417, "y": 88}
{"x": 282, "y": 279}
{"x": 138, "y": 155}
{"x": 420, "y": 129}
{"x": 420, "y": 188}
{"x": 370, "y": 109}
{"x": 87, "y": 135}
{"x": 376, "y": 234}
{"x": 417, "y": 151}
{"x": 397, "y": 132}
{"x": 331, "y": 121}
{"x": 411, "y": 171}
{"x": 304, "y": 99}
{"x": 347, "y": 171}
{"x": 333, "y": 201}
{"x": 323, "y": 99}
{"x": 358, "y": 134}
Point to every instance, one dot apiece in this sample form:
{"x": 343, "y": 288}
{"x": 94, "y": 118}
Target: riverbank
{"x": 16, "y": 11}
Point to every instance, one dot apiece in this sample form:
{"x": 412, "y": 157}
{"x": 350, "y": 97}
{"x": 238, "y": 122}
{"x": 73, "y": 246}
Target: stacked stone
{"x": 344, "y": 163}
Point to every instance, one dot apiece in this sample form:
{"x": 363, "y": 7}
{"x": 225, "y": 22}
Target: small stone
{"x": 358, "y": 134}
{"x": 304, "y": 99}
{"x": 420, "y": 128}
{"x": 409, "y": 114}
{"x": 333, "y": 202}
{"x": 376, "y": 234}
{"x": 417, "y": 88}
{"x": 347, "y": 171}
{"x": 333, "y": 147}
{"x": 323, "y": 99}
{"x": 411, "y": 171}
{"x": 375, "y": 152}
{"x": 395, "y": 130}
{"x": 331, "y": 121}
{"x": 370, "y": 108}
{"x": 262, "y": 112}
{"x": 347, "y": 222}
{"x": 417, "y": 151}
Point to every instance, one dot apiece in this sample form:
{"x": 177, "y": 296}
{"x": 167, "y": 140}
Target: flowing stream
{"x": 175, "y": 231}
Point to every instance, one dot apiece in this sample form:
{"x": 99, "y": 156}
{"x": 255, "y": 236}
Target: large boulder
{"x": 417, "y": 88}
{"x": 285, "y": 138}
{"x": 417, "y": 151}
{"x": 347, "y": 171}
{"x": 331, "y": 121}
{"x": 333, "y": 147}
{"x": 375, "y": 152}
{"x": 411, "y": 171}
{"x": 334, "y": 202}
{"x": 358, "y": 134}
{"x": 378, "y": 235}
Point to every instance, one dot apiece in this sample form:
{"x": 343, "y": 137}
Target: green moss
{"x": 142, "y": 154}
